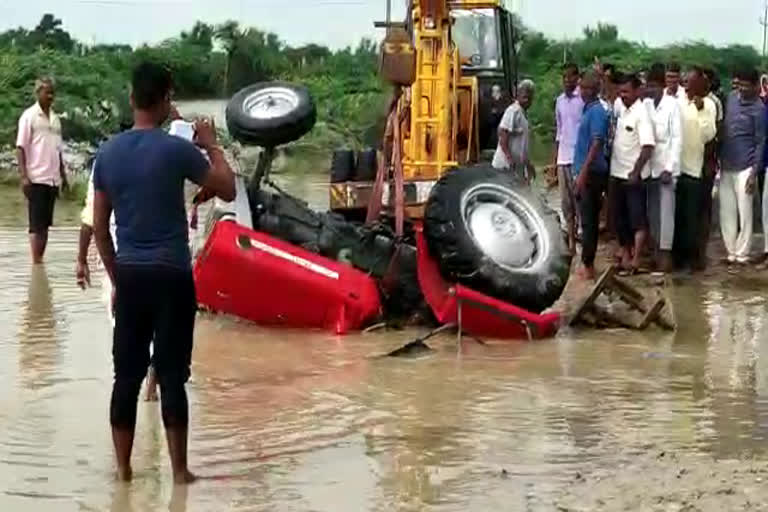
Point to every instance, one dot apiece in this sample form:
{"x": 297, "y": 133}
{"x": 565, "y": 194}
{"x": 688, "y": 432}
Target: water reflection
{"x": 39, "y": 350}
{"x": 733, "y": 366}
{"x": 124, "y": 498}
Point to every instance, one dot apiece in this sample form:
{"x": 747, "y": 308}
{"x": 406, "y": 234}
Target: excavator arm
{"x": 442, "y": 129}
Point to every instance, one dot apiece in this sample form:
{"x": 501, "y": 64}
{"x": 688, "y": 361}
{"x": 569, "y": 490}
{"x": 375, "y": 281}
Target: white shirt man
{"x": 665, "y": 168}
{"x": 514, "y": 122}
{"x": 680, "y": 94}
{"x": 634, "y": 130}
{"x": 634, "y": 133}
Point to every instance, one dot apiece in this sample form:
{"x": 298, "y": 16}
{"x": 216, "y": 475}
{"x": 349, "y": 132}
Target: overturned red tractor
{"x": 420, "y": 228}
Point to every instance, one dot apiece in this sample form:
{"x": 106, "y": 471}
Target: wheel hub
{"x": 504, "y": 226}
{"x": 501, "y": 234}
{"x": 270, "y": 103}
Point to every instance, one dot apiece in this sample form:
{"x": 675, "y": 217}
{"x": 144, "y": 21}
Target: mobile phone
{"x": 183, "y": 129}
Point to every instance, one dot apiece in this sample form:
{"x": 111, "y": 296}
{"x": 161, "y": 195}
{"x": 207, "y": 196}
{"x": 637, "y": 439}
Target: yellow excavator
{"x": 453, "y": 67}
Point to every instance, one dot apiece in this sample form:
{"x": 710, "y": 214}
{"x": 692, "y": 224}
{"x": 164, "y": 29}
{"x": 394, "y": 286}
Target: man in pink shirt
{"x": 38, "y": 150}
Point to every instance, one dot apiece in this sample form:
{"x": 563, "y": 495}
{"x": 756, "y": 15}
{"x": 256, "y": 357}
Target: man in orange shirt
{"x": 41, "y": 168}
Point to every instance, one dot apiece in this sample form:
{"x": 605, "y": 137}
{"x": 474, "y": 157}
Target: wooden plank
{"x": 670, "y": 324}
{"x": 629, "y": 295}
{"x": 613, "y": 320}
{"x": 627, "y": 289}
{"x": 589, "y": 300}
{"x": 663, "y": 322}
{"x": 652, "y": 314}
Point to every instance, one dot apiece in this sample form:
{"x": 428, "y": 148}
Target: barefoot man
{"x": 140, "y": 174}
{"x": 591, "y": 170}
{"x": 41, "y": 167}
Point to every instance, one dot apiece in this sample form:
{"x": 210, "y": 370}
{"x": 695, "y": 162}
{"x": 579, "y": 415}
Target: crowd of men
{"x": 643, "y": 151}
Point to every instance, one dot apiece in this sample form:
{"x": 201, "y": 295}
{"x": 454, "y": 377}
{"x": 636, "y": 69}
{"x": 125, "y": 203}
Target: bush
{"x": 352, "y": 101}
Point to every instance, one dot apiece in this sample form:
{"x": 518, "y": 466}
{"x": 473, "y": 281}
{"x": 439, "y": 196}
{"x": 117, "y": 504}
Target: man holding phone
{"x": 140, "y": 174}
{"x": 82, "y": 269}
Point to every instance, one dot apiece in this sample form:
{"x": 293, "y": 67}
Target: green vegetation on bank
{"x": 541, "y": 59}
{"x": 213, "y": 61}
{"x": 207, "y": 61}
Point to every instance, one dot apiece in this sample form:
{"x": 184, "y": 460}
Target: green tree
{"x": 49, "y": 34}
{"x": 602, "y": 32}
{"x": 201, "y": 35}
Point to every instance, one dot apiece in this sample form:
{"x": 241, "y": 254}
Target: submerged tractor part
{"x": 269, "y": 281}
{"x": 371, "y": 249}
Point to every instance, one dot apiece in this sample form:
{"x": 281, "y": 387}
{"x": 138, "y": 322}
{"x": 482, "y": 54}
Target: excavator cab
{"x": 485, "y": 39}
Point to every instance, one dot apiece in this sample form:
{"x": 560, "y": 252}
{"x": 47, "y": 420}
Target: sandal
{"x": 634, "y": 271}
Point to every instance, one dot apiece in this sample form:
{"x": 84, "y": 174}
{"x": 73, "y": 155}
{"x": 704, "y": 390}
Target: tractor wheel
{"x": 490, "y": 232}
{"x": 270, "y": 114}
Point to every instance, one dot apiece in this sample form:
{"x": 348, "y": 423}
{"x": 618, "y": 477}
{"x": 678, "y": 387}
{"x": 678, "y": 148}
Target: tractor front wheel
{"x": 270, "y": 114}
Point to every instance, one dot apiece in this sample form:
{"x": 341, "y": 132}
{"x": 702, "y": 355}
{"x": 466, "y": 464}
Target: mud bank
{"x": 668, "y": 481}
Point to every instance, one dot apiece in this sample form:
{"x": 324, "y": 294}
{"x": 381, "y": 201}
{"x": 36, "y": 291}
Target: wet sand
{"x": 667, "y": 481}
{"x": 303, "y": 421}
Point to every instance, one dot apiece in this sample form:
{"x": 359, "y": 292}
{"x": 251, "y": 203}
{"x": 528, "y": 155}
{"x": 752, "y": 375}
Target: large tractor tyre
{"x": 270, "y": 114}
{"x": 491, "y": 233}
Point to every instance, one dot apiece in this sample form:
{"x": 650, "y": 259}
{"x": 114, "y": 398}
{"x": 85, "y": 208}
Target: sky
{"x": 338, "y": 23}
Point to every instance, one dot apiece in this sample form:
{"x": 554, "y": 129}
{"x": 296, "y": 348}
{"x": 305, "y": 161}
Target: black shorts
{"x": 630, "y": 203}
{"x": 40, "y": 202}
{"x": 153, "y": 304}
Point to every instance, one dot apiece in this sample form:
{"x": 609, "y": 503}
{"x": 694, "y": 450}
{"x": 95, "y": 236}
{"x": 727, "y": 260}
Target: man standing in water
{"x": 41, "y": 168}
{"x": 512, "y": 149}
{"x": 141, "y": 174}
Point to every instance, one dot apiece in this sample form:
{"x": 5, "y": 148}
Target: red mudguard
{"x": 252, "y": 275}
{"x": 480, "y": 315}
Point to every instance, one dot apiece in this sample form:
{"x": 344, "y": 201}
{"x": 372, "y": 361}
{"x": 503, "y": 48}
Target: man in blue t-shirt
{"x": 591, "y": 167}
{"x": 140, "y": 174}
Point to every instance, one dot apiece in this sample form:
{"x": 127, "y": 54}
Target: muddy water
{"x": 304, "y": 421}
